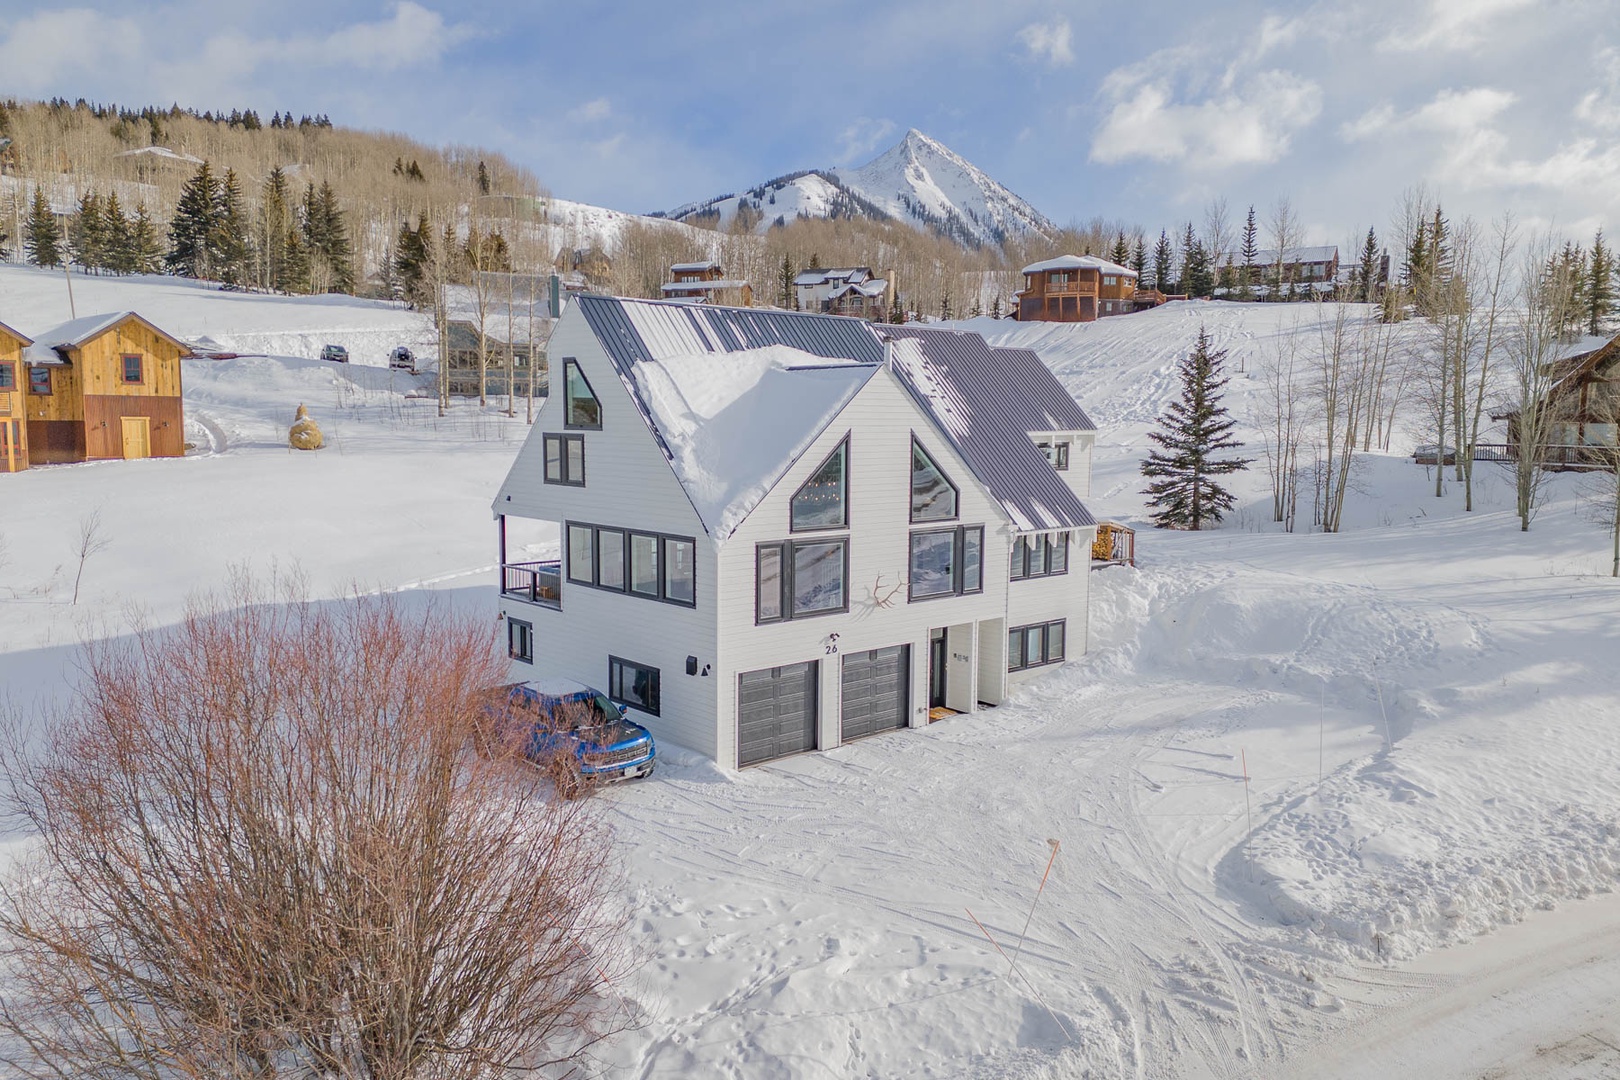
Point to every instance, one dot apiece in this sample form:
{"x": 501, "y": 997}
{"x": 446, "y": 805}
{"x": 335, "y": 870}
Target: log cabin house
{"x": 706, "y": 283}
{"x": 103, "y": 386}
{"x": 1584, "y": 400}
{"x": 13, "y": 425}
{"x": 1079, "y": 288}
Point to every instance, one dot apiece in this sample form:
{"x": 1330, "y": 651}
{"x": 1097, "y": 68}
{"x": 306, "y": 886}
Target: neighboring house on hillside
{"x": 1585, "y": 402}
{"x": 783, "y": 531}
{"x": 104, "y": 386}
{"x": 590, "y": 265}
{"x": 1317, "y": 267}
{"x": 13, "y": 423}
{"x": 845, "y": 290}
{"x": 1079, "y": 288}
{"x": 706, "y": 283}
{"x": 464, "y": 373}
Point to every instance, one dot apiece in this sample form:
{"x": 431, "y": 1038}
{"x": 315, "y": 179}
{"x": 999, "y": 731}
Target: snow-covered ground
{"x": 1291, "y": 766}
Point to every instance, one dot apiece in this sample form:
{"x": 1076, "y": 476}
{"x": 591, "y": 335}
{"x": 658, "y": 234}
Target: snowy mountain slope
{"x": 919, "y": 181}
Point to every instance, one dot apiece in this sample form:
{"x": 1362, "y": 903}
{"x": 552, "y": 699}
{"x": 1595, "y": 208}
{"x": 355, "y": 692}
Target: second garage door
{"x": 877, "y": 691}
{"x": 776, "y": 712}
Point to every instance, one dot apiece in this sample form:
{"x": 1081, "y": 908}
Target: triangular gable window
{"x": 581, "y": 409}
{"x": 933, "y": 497}
{"x": 823, "y": 501}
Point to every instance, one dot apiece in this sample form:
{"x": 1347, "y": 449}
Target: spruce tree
{"x": 42, "y": 236}
{"x": 145, "y": 249}
{"x": 87, "y": 233}
{"x": 275, "y": 229}
{"x": 193, "y": 226}
{"x": 1188, "y": 240}
{"x": 119, "y": 243}
{"x": 228, "y": 239}
{"x": 1599, "y": 285}
{"x": 1251, "y": 255}
{"x": 897, "y": 314}
{"x": 483, "y": 179}
{"x": 1121, "y": 255}
{"x": 1163, "y": 260}
{"x": 335, "y": 249}
{"x": 1367, "y": 272}
{"x": 787, "y": 295}
{"x": 1139, "y": 261}
{"x": 1185, "y": 493}
{"x": 413, "y": 256}
{"x": 294, "y": 275}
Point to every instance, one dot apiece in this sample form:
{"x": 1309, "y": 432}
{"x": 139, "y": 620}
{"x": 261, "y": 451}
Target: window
{"x": 946, "y": 562}
{"x": 801, "y": 578}
{"x": 1110, "y": 279}
{"x": 8, "y": 375}
{"x": 132, "y": 367}
{"x": 520, "y": 640}
{"x": 823, "y": 501}
{"x": 645, "y": 564}
{"x": 1057, "y": 453}
{"x": 1034, "y": 646}
{"x": 39, "y": 380}
{"x": 632, "y": 684}
{"x": 581, "y": 409}
{"x": 933, "y": 497}
{"x": 1059, "y": 279}
{"x": 565, "y": 460}
{"x": 1040, "y": 556}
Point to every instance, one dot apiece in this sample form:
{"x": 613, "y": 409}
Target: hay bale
{"x": 305, "y": 433}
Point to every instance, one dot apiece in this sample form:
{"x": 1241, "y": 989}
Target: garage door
{"x": 877, "y": 688}
{"x": 776, "y": 712}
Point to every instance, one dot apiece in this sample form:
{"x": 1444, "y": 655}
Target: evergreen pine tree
{"x": 897, "y": 314}
{"x": 1189, "y": 240}
{"x": 995, "y": 305}
{"x": 1139, "y": 261}
{"x": 337, "y": 251}
{"x": 146, "y": 250}
{"x": 275, "y": 229}
{"x": 1163, "y": 260}
{"x": 1250, "y": 253}
{"x": 119, "y": 244}
{"x": 412, "y": 261}
{"x": 294, "y": 276}
{"x": 42, "y": 236}
{"x": 190, "y": 232}
{"x": 228, "y": 239}
{"x": 483, "y": 179}
{"x": 1182, "y": 474}
{"x": 1599, "y": 285}
{"x": 1367, "y": 271}
{"x": 787, "y": 296}
{"x": 1121, "y": 255}
{"x": 87, "y": 233}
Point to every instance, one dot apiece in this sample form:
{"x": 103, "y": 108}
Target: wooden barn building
{"x": 103, "y": 386}
{"x": 13, "y": 424}
{"x": 1079, "y": 288}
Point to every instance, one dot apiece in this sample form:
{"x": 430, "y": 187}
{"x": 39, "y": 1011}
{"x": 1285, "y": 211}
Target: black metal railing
{"x": 536, "y": 582}
{"x": 1567, "y": 457}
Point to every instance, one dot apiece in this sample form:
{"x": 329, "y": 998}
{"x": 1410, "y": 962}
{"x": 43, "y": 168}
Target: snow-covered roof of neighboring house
{"x": 160, "y": 152}
{"x": 823, "y": 275}
{"x": 52, "y": 345}
{"x": 1268, "y": 256}
{"x": 1079, "y": 262}
{"x": 870, "y": 287}
{"x": 987, "y": 402}
{"x": 19, "y": 335}
{"x": 702, "y": 286}
{"x": 693, "y": 267}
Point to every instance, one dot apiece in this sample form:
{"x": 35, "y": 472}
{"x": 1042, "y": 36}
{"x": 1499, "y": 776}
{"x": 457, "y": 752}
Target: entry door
{"x": 876, "y": 686}
{"x": 10, "y": 450}
{"x": 936, "y": 669}
{"x": 137, "y": 437}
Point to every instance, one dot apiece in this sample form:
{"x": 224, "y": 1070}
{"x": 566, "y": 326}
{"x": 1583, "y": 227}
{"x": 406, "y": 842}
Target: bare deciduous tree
{"x": 92, "y": 541}
{"x": 1282, "y": 419}
{"x": 1548, "y": 296}
{"x": 266, "y": 849}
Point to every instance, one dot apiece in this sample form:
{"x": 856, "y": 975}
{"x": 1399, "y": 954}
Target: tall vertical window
{"x": 565, "y": 459}
{"x": 680, "y": 570}
{"x": 581, "y": 409}
{"x": 933, "y": 497}
{"x": 644, "y": 565}
{"x": 39, "y": 380}
{"x": 520, "y": 640}
{"x": 582, "y": 554}
{"x": 132, "y": 368}
{"x": 610, "y": 559}
{"x": 823, "y": 501}
{"x": 8, "y": 375}
{"x": 769, "y": 582}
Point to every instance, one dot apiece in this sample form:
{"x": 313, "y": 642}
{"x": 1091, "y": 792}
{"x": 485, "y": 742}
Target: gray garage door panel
{"x": 776, "y": 712}
{"x": 877, "y": 691}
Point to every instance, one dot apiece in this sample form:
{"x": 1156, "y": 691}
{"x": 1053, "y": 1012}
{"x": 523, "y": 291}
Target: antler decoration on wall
{"x": 882, "y": 597}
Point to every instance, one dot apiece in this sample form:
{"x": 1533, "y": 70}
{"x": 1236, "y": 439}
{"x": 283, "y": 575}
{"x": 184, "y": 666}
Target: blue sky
{"x": 637, "y": 105}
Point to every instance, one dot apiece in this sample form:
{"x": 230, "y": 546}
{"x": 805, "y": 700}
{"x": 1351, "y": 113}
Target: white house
{"x": 783, "y": 531}
{"x": 844, "y": 290}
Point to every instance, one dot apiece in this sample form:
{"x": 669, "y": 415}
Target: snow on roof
{"x": 988, "y": 402}
{"x": 822, "y": 275}
{"x": 872, "y": 287}
{"x": 161, "y": 152}
{"x": 72, "y": 334}
{"x": 692, "y": 267}
{"x": 1268, "y": 256}
{"x": 20, "y": 336}
{"x": 702, "y": 286}
{"x": 1079, "y": 262}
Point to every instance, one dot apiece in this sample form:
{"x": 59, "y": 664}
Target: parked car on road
{"x": 560, "y": 718}
{"x": 1430, "y": 454}
{"x": 336, "y": 353}
{"x": 401, "y": 359}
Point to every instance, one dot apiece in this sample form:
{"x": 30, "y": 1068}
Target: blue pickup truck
{"x": 556, "y": 717}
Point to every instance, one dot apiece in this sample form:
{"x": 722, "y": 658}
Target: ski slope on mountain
{"x": 1290, "y": 763}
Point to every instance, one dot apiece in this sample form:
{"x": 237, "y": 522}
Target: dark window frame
{"x": 572, "y": 363}
{"x": 8, "y": 375}
{"x": 562, "y": 441}
{"x": 520, "y": 640}
{"x": 1017, "y": 572}
{"x": 140, "y": 368}
{"x": 911, "y": 488}
{"x": 35, "y": 371}
{"x": 618, "y": 666}
{"x": 788, "y": 551}
{"x": 842, "y": 447}
{"x": 1021, "y": 635}
{"x": 958, "y": 563}
{"x": 630, "y": 535}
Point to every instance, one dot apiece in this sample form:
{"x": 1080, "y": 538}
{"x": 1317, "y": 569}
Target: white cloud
{"x": 39, "y": 51}
{"x": 1601, "y": 106}
{"x": 414, "y": 37}
{"x": 1453, "y": 24}
{"x": 1247, "y": 119}
{"x": 1049, "y": 42}
{"x": 592, "y": 112}
{"x": 1459, "y": 112}
{"x": 863, "y": 137}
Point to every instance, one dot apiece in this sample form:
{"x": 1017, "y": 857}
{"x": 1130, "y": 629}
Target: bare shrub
{"x": 265, "y": 848}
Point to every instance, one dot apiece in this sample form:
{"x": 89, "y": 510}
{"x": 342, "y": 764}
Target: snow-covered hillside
{"x": 919, "y": 181}
{"x": 1288, "y": 763}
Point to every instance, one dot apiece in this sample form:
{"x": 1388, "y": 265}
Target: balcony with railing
{"x": 1072, "y": 287}
{"x": 533, "y": 582}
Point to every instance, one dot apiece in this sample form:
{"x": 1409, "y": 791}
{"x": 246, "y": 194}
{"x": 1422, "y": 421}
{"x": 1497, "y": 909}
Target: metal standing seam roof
{"x": 987, "y": 402}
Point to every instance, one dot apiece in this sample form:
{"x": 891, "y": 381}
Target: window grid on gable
{"x": 581, "y": 407}
{"x": 822, "y": 502}
{"x": 134, "y": 368}
{"x": 933, "y": 496}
